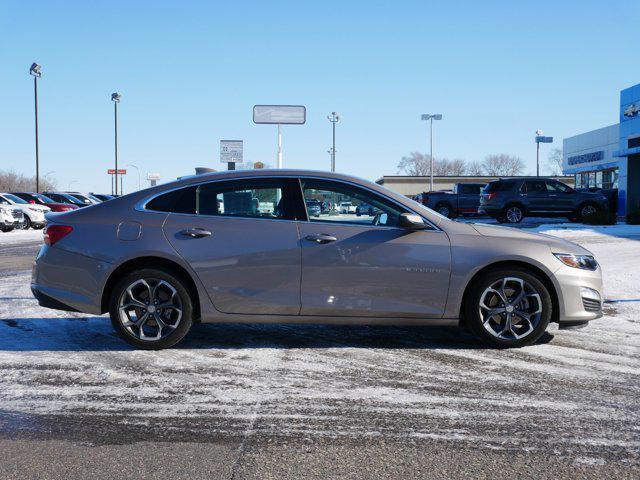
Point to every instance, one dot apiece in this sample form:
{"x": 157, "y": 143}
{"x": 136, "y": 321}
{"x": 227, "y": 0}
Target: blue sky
{"x": 190, "y": 73}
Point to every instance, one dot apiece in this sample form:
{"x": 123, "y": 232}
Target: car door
{"x": 469, "y": 197}
{"x": 560, "y": 196}
{"x": 535, "y": 194}
{"x": 368, "y": 266}
{"x": 241, "y": 239}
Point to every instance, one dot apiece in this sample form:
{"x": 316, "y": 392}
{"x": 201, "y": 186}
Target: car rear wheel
{"x": 151, "y": 309}
{"x": 514, "y": 214}
{"x": 444, "y": 210}
{"x": 508, "y": 308}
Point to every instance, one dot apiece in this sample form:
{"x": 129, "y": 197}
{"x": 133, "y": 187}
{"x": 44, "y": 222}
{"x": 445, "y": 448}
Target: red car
{"x": 39, "y": 199}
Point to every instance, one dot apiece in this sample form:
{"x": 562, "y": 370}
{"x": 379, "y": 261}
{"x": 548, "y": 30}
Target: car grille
{"x": 591, "y": 305}
{"x": 17, "y": 214}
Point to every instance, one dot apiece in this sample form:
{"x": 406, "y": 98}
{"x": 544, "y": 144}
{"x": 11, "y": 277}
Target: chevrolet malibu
{"x": 241, "y": 247}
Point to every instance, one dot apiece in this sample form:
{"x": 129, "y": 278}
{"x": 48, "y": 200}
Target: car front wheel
{"x": 151, "y": 309}
{"x": 587, "y": 210}
{"x": 508, "y": 308}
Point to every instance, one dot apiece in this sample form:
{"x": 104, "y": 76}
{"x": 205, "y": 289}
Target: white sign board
{"x": 153, "y": 176}
{"x": 280, "y": 114}
{"x": 231, "y": 151}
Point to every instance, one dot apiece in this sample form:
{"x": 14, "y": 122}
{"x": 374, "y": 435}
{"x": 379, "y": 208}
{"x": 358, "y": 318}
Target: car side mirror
{"x": 411, "y": 221}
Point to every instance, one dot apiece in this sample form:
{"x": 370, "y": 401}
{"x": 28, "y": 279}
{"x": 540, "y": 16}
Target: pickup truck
{"x": 463, "y": 200}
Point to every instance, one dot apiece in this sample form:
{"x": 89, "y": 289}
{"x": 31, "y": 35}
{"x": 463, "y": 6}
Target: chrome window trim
{"x": 140, "y": 206}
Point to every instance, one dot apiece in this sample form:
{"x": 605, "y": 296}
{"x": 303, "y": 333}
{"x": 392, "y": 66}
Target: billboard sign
{"x": 280, "y": 114}
{"x": 231, "y": 151}
{"x": 153, "y": 176}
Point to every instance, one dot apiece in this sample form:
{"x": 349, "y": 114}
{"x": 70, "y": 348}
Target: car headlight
{"x": 584, "y": 262}
{"x": 5, "y": 211}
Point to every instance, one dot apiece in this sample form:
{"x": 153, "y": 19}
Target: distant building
{"x": 609, "y": 157}
{"x": 413, "y": 185}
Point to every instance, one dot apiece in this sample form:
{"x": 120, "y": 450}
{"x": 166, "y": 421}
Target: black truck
{"x": 463, "y": 200}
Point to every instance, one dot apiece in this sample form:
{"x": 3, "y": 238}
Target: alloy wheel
{"x": 150, "y": 309}
{"x": 444, "y": 211}
{"x": 587, "y": 210}
{"x": 514, "y": 214}
{"x": 510, "y": 308}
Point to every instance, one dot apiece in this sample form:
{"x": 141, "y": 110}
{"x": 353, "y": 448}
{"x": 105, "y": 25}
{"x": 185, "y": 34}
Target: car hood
{"x": 557, "y": 245}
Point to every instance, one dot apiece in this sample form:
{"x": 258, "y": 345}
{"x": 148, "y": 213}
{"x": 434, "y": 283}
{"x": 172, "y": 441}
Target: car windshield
{"x": 14, "y": 198}
{"x": 43, "y": 198}
{"x": 80, "y": 198}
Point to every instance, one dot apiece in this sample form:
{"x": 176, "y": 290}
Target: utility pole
{"x": 430, "y": 118}
{"x": 36, "y": 72}
{"x": 115, "y": 98}
{"x": 333, "y": 118}
{"x": 540, "y": 139}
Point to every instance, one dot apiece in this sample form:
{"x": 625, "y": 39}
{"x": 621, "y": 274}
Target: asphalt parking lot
{"x": 283, "y": 401}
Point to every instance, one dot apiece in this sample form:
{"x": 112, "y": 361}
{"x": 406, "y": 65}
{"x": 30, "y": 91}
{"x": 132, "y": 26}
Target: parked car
{"x": 313, "y": 208}
{"x": 10, "y": 217}
{"x": 61, "y": 197}
{"x": 364, "y": 209}
{"x": 346, "y": 207}
{"x": 103, "y": 197}
{"x": 510, "y": 200}
{"x": 33, "y": 214}
{"x": 160, "y": 259}
{"x": 84, "y": 198}
{"x": 39, "y": 199}
{"x": 463, "y": 200}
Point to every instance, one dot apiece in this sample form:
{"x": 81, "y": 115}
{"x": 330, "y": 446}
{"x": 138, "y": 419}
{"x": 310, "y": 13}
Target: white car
{"x": 10, "y": 218}
{"x": 33, "y": 213}
{"x": 347, "y": 207}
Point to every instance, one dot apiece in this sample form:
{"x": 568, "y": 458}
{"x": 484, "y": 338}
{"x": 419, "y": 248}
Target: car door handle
{"x": 321, "y": 238}
{"x": 195, "y": 232}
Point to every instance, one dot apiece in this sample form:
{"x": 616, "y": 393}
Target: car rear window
{"x": 499, "y": 187}
{"x": 177, "y": 201}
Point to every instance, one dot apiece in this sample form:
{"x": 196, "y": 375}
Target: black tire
{"x": 27, "y": 223}
{"x": 472, "y": 309}
{"x": 444, "y": 209}
{"x": 513, "y": 213}
{"x": 7, "y": 229}
{"x": 586, "y": 209}
{"x": 186, "y": 304}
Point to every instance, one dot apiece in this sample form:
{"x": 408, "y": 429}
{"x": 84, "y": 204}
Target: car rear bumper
{"x": 68, "y": 281}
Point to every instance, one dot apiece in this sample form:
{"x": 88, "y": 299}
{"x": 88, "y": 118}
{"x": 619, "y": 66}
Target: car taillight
{"x": 55, "y": 233}
{"x": 491, "y": 196}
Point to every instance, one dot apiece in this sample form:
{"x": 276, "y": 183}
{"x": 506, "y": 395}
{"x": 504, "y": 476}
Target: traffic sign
{"x": 112, "y": 171}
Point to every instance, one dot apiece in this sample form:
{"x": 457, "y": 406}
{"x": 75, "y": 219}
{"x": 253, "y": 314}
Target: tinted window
{"x": 536, "y": 186}
{"x": 177, "y": 201}
{"x": 349, "y": 204}
{"x": 558, "y": 187}
{"x": 470, "y": 189}
{"x": 499, "y": 187}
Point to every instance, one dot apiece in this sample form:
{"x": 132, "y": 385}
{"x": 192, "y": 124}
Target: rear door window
{"x": 499, "y": 187}
{"x": 536, "y": 186}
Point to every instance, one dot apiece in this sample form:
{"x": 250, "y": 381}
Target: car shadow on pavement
{"x": 96, "y": 334}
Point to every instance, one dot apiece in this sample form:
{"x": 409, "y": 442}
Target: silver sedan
{"x": 242, "y": 247}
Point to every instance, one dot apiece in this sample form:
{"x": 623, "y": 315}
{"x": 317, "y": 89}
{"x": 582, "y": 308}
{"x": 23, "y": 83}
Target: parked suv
{"x": 510, "y": 200}
{"x": 33, "y": 214}
{"x": 464, "y": 200}
{"x": 39, "y": 199}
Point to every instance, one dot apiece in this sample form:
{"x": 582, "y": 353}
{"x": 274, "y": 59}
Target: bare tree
{"x": 475, "y": 168}
{"x": 458, "y": 167}
{"x": 555, "y": 161}
{"x": 415, "y": 165}
{"x": 11, "y": 181}
{"x": 502, "y": 164}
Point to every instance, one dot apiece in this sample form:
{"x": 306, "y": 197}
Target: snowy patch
{"x": 16, "y": 237}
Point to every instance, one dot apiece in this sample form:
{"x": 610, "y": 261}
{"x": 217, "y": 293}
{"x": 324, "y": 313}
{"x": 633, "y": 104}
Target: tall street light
{"x": 36, "y": 72}
{"x": 430, "y": 118}
{"x": 137, "y": 170}
{"x": 540, "y": 138}
{"x": 115, "y": 98}
{"x": 333, "y": 118}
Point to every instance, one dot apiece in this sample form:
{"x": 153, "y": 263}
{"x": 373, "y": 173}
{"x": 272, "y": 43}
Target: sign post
{"x": 279, "y": 115}
{"x": 231, "y": 153}
{"x": 153, "y": 178}
{"x": 540, "y": 139}
{"x": 114, "y": 175}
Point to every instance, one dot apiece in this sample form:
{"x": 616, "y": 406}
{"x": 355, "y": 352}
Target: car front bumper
{"x": 579, "y": 294}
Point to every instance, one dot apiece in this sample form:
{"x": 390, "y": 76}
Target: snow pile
{"x": 16, "y": 237}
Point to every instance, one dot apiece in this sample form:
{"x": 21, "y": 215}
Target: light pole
{"x": 137, "y": 170}
{"x": 540, "y": 139}
{"x": 36, "y": 72}
{"x": 115, "y": 98}
{"x": 431, "y": 117}
{"x": 333, "y": 118}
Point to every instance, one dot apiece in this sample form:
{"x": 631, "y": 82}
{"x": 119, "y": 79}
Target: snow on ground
{"x": 16, "y": 237}
{"x": 575, "y": 392}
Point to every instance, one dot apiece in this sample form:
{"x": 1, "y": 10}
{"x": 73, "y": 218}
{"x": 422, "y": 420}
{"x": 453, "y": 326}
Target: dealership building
{"x": 609, "y": 157}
